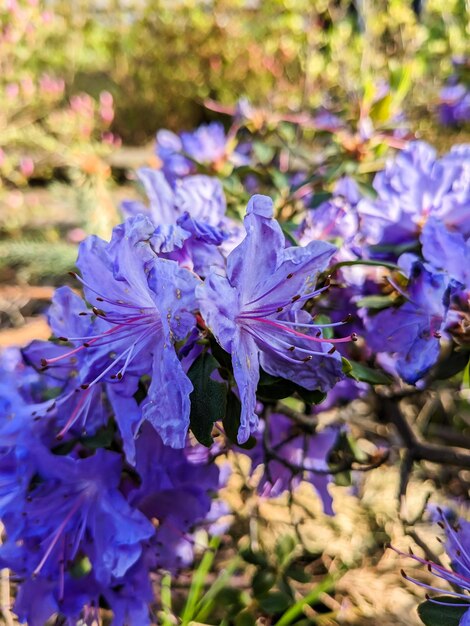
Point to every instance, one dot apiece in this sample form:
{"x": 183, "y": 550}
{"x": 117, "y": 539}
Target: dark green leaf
{"x": 319, "y": 198}
{"x": 255, "y": 558}
{"x": 231, "y": 422}
{"x": 289, "y": 236}
{"x": 278, "y": 391}
{"x": 103, "y": 438}
{"x": 297, "y": 573}
{"x": 277, "y": 388}
{"x": 452, "y": 365}
{"x": 434, "y": 614}
{"x": 230, "y": 598}
{"x": 263, "y": 581}
{"x": 221, "y": 356}
{"x": 208, "y": 398}
{"x": 274, "y": 602}
{"x": 366, "y": 374}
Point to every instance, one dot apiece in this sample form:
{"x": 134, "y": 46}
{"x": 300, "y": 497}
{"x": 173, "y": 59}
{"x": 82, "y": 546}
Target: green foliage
{"x": 208, "y": 398}
{"x": 434, "y": 614}
{"x": 366, "y": 374}
{"x": 34, "y": 261}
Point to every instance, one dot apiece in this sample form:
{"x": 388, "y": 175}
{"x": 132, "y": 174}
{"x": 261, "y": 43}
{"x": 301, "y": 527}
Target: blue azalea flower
{"x": 78, "y": 499}
{"x": 412, "y": 331}
{"x": 414, "y": 186}
{"x": 458, "y": 548}
{"x": 208, "y": 145}
{"x": 176, "y": 490}
{"x": 447, "y": 251}
{"x": 202, "y": 197}
{"x": 254, "y": 311}
{"x": 191, "y": 226}
{"x": 143, "y": 304}
{"x": 454, "y": 105}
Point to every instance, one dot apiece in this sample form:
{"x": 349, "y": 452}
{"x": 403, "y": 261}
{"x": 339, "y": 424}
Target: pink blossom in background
{"x": 27, "y": 166}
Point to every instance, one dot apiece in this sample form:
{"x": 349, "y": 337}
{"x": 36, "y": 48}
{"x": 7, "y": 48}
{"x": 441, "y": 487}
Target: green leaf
{"x": 366, "y": 374}
{"x": 245, "y": 618}
{"x": 81, "y": 568}
{"x": 319, "y": 198}
{"x": 263, "y": 152}
{"x": 274, "y": 602}
{"x": 198, "y": 580}
{"x": 288, "y": 235}
{"x": 254, "y": 558}
{"x": 381, "y": 110}
{"x": 231, "y": 421}
{"x": 296, "y": 610}
{"x": 297, "y": 573}
{"x": 208, "y": 398}
{"x": 310, "y": 397}
{"x": 433, "y": 614}
{"x": 452, "y": 365}
{"x": 103, "y": 438}
{"x": 224, "y": 358}
{"x": 284, "y": 548}
{"x": 278, "y": 391}
{"x": 263, "y": 581}
{"x": 346, "y": 366}
{"x": 277, "y": 388}
{"x": 376, "y": 302}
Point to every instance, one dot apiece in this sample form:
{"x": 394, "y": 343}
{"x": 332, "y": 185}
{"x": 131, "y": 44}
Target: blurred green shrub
{"x": 162, "y": 59}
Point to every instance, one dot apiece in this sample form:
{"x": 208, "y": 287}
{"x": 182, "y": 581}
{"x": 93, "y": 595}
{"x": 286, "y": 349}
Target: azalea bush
{"x": 253, "y": 289}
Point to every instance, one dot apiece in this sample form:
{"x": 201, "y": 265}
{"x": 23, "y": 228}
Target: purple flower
{"x": 202, "y": 197}
{"x": 207, "y": 145}
{"x": 143, "y": 304}
{"x": 454, "y": 106}
{"x": 293, "y": 455}
{"x": 335, "y": 218}
{"x": 175, "y": 489}
{"x": 412, "y": 331}
{"x": 458, "y": 548}
{"x": 75, "y": 501}
{"x": 255, "y": 312}
{"x": 447, "y": 251}
{"x": 414, "y": 186}
{"x": 190, "y": 218}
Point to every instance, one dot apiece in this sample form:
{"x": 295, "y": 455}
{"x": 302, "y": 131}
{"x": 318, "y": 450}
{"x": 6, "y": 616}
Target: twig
{"x": 389, "y": 411}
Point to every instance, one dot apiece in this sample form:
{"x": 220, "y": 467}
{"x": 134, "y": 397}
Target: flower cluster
{"x": 191, "y": 325}
{"x": 101, "y": 481}
{"x": 412, "y": 235}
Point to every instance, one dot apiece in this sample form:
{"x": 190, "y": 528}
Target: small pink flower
{"x": 12, "y": 90}
{"x": 27, "y": 166}
{"x": 106, "y": 99}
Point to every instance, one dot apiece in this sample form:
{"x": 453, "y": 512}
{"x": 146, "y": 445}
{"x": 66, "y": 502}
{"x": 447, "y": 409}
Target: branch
{"x": 389, "y": 411}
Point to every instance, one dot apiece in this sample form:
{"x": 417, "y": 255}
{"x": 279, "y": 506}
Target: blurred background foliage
{"x": 84, "y": 85}
{"x": 161, "y": 59}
